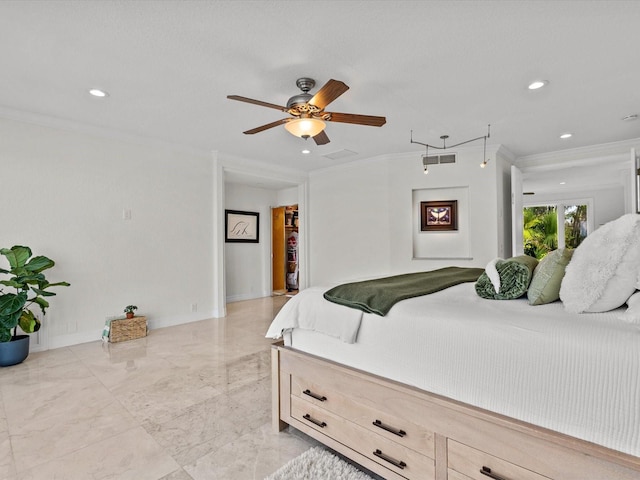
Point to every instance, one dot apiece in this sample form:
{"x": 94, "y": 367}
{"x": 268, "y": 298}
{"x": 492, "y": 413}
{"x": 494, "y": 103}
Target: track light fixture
{"x": 444, "y": 147}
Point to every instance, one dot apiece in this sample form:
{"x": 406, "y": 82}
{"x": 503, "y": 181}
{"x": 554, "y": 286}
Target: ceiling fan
{"x": 307, "y": 112}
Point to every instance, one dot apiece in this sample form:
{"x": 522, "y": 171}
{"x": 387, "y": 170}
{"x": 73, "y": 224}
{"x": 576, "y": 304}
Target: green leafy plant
{"x": 130, "y": 308}
{"x": 31, "y": 288}
{"x": 540, "y": 230}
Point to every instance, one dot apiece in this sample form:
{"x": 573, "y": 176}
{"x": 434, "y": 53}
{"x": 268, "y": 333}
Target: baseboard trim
{"x": 246, "y": 296}
{"x": 69, "y": 340}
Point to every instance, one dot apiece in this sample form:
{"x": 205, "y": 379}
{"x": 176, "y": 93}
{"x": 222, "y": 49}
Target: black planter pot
{"x": 15, "y": 351}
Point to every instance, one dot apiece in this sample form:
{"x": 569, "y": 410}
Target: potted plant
{"x": 129, "y": 310}
{"x": 31, "y": 288}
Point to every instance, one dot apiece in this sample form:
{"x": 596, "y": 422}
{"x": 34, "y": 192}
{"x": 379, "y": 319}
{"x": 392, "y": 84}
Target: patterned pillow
{"x": 515, "y": 276}
{"x": 547, "y": 277}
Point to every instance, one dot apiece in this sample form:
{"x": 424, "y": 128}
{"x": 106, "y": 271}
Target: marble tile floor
{"x": 190, "y": 402}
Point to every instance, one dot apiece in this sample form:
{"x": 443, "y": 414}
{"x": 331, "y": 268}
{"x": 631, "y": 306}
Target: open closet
{"x": 284, "y": 249}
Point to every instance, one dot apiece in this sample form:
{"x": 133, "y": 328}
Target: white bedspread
{"x": 310, "y": 311}
{"x": 578, "y": 374}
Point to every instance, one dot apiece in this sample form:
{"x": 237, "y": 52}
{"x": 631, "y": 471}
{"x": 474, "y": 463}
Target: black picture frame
{"x": 438, "y": 216}
{"x": 241, "y": 226}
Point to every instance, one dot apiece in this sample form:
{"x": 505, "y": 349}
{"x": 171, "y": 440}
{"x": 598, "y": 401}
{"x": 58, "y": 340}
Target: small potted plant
{"x": 31, "y": 289}
{"x": 129, "y": 309}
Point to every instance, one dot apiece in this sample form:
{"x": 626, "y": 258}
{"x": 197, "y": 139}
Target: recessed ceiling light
{"x": 96, "y": 92}
{"x": 563, "y": 183}
{"x": 566, "y": 135}
{"x": 306, "y": 152}
{"x": 538, "y": 84}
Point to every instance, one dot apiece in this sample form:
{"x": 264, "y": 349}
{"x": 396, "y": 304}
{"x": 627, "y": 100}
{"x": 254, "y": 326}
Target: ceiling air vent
{"x": 340, "y": 154}
{"x": 438, "y": 159}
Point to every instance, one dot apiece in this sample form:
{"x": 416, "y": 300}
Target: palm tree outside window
{"x": 548, "y": 227}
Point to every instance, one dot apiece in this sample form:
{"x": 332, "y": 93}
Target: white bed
{"x": 478, "y": 386}
{"x": 578, "y": 374}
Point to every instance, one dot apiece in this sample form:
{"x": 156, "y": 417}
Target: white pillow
{"x": 632, "y": 314}
{"x": 603, "y": 271}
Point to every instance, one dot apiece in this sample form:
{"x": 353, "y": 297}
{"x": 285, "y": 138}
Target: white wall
{"x": 609, "y": 204}
{"x": 248, "y": 265}
{"x": 63, "y": 194}
{"x": 349, "y": 228}
{"x": 287, "y": 196}
{"x": 362, "y": 215}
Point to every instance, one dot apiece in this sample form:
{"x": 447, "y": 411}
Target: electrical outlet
{"x": 126, "y": 214}
{"x": 194, "y": 307}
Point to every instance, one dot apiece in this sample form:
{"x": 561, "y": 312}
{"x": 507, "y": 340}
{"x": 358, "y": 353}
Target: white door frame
{"x": 252, "y": 169}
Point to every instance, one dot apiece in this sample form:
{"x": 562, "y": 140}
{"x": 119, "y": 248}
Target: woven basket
{"x": 127, "y": 329}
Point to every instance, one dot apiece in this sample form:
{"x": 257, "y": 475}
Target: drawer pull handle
{"x": 397, "y": 463}
{"x": 487, "y": 471}
{"x": 395, "y": 431}
{"x": 322, "y": 398}
{"x": 314, "y": 421}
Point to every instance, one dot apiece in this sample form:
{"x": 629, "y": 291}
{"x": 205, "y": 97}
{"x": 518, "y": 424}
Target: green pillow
{"x": 515, "y": 276}
{"x": 547, "y": 277}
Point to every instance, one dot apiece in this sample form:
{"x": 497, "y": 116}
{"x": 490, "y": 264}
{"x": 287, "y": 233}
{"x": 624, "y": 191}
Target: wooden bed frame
{"x": 400, "y": 432}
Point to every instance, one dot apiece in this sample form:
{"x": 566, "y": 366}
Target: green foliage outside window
{"x": 541, "y": 228}
{"x": 575, "y": 225}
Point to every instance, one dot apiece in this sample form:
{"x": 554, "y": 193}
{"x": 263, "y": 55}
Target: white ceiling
{"x": 434, "y": 67}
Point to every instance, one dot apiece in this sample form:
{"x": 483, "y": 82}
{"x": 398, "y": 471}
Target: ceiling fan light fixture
{"x": 308, "y": 115}
{"x": 305, "y": 127}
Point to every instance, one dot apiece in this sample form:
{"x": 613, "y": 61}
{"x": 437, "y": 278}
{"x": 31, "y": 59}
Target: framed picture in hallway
{"x": 241, "y": 227}
{"x": 438, "y": 216}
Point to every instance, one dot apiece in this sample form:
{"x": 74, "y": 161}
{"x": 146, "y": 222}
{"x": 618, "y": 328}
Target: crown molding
{"x": 594, "y": 153}
{"x": 96, "y": 131}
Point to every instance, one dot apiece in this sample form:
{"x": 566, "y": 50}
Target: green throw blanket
{"x": 515, "y": 276}
{"x": 379, "y": 295}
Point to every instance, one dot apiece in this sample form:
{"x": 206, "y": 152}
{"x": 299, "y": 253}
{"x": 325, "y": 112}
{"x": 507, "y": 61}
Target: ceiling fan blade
{"x": 256, "y": 102}
{"x": 266, "y": 127}
{"x": 328, "y": 93}
{"x": 321, "y": 138}
{"x": 358, "y": 119}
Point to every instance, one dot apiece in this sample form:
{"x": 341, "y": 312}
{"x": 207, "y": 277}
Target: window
{"x": 548, "y": 227}
{"x": 575, "y": 225}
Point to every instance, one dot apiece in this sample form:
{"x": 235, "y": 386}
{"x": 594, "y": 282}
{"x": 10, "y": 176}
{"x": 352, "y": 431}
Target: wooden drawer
{"x": 453, "y": 475}
{"x": 391, "y": 455}
{"x": 343, "y": 402}
{"x": 470, "y": 462}
{"x": 512, "y": 449}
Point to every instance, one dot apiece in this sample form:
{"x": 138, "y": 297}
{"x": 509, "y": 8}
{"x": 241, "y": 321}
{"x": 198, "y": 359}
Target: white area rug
{"x": 318, "y": 464}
